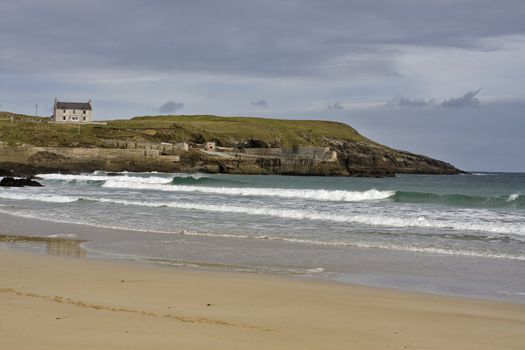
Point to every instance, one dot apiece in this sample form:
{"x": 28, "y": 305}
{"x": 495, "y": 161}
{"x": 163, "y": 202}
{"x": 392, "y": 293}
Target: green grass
{"x": 226, "y": 131}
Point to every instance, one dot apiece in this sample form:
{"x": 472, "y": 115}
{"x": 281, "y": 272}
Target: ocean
{"x": 449, "y": 234}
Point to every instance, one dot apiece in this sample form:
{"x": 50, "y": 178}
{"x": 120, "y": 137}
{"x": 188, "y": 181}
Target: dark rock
{"x": 12, "y": 182}
{"x": 114, "y": 174}
{"x": 255, "y": 143}
{"x": 24, "y": 170}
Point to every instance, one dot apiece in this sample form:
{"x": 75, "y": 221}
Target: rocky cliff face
{"x": 366, "y": 159}
{"x": 349, "y": 159}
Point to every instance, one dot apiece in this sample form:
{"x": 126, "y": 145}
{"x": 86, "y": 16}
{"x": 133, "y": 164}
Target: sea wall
{"x": 88, "y": 159}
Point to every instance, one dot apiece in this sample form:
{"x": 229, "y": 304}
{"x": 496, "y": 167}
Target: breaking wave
{"x": 198, "y": 179}
{"x": 372, "y": 219}
{"x": 136, "y": 179}
{"x": 200, "y": 183}
{"x": 514, "y": 199}
{"x": 320, "y": 195}
{"x": 461, "y": 200}
{"x": 103, "y": 178}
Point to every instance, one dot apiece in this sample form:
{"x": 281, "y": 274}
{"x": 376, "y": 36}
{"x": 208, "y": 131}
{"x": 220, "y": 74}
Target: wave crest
{"x": 104, "y": 178}
{"x": 514, "y": 199}
{"x": 320, "y": 195}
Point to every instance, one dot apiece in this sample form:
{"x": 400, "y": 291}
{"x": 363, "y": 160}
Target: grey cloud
{"x": 247, "y": 37}
{"x": 440, "y": 133}
{"x": 467, "y": 100}
{"x": 170, "y": 107}
{"x": 260, "y": 103}
{"x": 335, "y": 106}
{"x": 408, "y": 102}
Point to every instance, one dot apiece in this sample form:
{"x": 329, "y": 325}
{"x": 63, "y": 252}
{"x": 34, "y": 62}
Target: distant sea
{"x": 455, "y": 234}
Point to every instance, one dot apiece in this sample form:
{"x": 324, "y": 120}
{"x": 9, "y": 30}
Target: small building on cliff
{"x": 72, "y": 112}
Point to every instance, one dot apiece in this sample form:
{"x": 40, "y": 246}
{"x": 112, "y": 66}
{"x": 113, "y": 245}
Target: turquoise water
{"x": 301, "y": 225}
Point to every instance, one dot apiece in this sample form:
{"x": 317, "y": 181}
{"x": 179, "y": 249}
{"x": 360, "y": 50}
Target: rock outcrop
{"x": 12, "y": 182}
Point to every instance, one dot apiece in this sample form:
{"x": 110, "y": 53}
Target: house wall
{"x": 71, "y": 114}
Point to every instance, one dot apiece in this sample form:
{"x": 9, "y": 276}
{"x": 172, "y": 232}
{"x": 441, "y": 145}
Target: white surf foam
{"x": 463, "y": 224}
{"x": 378, "y": 245}
{"x": 416, "y": 249}
{"x": 63, "y": 235}
{"x": 319, "y": 195}
{"x": 513, "y": 197}
{"x": 118, "y": 178}
{"x": 37, "y": 197}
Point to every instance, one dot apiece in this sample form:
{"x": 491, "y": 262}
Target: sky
{"x": 445, "y": 78}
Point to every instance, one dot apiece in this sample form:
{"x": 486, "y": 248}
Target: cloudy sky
{"x": 444, "y": 78}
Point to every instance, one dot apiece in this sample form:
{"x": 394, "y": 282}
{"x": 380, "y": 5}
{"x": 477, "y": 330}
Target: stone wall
{"x": 311, "y": 153}
{"x": 163, "y": 148}
{"x": 89, "y": 159}
{"x": 266, "y": 152}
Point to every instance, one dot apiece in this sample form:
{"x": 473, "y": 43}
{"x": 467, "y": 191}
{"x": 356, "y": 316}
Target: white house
{"x": 72, "y": 112}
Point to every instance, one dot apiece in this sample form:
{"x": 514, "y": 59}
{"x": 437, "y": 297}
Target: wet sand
{"x": 54, "y": 302}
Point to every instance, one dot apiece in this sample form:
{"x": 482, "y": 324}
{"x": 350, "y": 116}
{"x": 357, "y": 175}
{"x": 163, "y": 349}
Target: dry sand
{"x": 49, "y": 302}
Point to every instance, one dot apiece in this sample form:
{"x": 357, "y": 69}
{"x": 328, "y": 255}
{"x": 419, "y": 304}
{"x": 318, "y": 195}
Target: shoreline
{"x": 62, "y": 247}
{"x": 85, "y": 303}
{"x": 382, "y": 269}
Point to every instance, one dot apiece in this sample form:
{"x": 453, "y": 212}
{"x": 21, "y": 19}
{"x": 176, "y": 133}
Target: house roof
{"x": 73, "y": 105}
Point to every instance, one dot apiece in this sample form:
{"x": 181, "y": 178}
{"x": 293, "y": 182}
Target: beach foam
{"x": 38, "y": 197}
{"x": 334, "y": 243}
{"x": 397, "y": 247}
{"x": 367, "y": 219}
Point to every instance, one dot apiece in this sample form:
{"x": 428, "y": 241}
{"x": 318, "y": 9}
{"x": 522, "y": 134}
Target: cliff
{"x": 244, "y": 146}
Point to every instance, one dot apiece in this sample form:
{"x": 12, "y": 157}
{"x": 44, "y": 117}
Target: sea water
{"x": 455, "y": 234}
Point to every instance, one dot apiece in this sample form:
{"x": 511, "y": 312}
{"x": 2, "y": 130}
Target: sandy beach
{"x": 50, "y": 302}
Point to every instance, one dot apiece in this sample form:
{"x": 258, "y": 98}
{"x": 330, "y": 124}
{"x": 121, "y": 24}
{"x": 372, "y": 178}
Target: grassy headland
{"x": 225, "y": 131}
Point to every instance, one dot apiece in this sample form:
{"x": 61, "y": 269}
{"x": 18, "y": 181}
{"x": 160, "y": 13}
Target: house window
{"x": 84, "y": 118}
{"x": 74, "y": 118}
{"x": 64, "y": 118}
{"x": 84, "y": 111}
{"x": 74, "y": 111}
{"x": 64, "y": 111}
